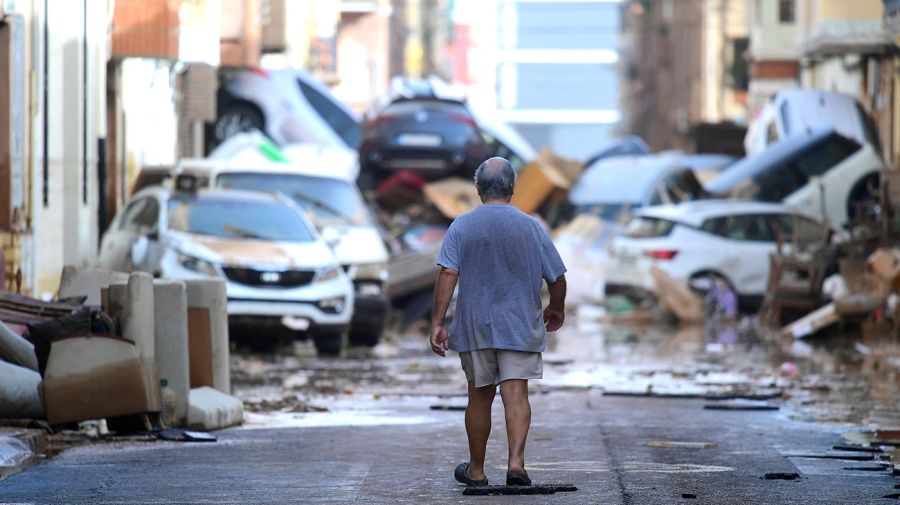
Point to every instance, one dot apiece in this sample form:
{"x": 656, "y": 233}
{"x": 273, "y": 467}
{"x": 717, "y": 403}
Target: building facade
{"x": 548, "y": 68}
{"x": 684, "y": 65}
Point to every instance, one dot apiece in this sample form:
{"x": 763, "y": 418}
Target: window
{"x": 749, "y": 227}
{"x": 825, "y": 156}
{"x": 341, "y": 122}
{"x": 141, "y": 216}
{"x": 786, "y": 11}
{"x": 740, "y": 69}
{"x": 713, "y": 226}
{"x": 776, "y": 184}
{"x": 327, "y": 201}
{"x": 238, "y": 220}
{"x": 797, "y": 228}
{"x": 648, "y": 227}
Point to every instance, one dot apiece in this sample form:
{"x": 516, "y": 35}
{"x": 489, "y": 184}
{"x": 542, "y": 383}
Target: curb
{"x": 19, "y": 449}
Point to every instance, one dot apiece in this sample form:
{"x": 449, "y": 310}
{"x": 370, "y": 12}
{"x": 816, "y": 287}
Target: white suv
{"x": 277, "y": 268}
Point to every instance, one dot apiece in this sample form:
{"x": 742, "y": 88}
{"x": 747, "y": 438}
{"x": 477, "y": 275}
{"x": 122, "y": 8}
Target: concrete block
{"x": 211, "y": 409}
{"x": 19, "y": 393}
{"x": 208, "y": 334}
{"x": 15, "y": 349}
{"x": 88, "y": 281}
{"x": 171, "y": 329}
{"x": 131, "y": 303}
{"x": 96, "y": 377}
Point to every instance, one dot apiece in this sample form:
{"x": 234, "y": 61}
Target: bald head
{"x": 495, "y": 179}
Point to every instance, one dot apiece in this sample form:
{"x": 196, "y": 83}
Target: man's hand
{"x": 553, "y": 318}
{"x": 440, "y": 340}
{"x": 555, "y": 313}
{"x": 443, "y": 292}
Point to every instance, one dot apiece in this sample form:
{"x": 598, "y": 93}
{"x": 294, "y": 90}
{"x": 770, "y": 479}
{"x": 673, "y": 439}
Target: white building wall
{"x": 65, "y": 227}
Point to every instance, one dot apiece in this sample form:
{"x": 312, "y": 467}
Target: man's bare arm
{"x": 555, "y": 313}
{"x": 443, "y": 293}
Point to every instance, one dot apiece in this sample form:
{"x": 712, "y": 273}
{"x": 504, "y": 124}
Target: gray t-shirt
{"x": 502, "y": 256}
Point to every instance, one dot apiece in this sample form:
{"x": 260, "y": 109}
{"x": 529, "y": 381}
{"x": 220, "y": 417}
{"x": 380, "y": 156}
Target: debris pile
{"x": 138, "y": 353}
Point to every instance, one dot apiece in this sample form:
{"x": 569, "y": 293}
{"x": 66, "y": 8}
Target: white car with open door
{"x": 279, "y": 272}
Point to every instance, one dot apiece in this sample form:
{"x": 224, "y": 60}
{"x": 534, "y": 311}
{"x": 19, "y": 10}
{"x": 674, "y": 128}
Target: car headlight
{"x": 197, "y": 265}
{"x": 328, "y": 273}
{"x": 332, "y": 305}
{"x": 371, "y": 271}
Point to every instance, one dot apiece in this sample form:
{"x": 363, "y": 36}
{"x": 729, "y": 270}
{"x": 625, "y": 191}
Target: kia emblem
{"x": 270, "y": 277}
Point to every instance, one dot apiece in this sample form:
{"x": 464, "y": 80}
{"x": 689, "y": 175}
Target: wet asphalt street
{"x": 361, "y": 429}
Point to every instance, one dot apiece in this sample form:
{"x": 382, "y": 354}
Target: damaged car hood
{"x": 259, "y": 252}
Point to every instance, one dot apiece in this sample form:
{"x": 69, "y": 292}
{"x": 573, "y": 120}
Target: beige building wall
{"x": 771, "y": 39}
{"x": 723, "y": 21}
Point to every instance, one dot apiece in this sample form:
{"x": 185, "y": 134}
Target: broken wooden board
{"x": 677, "y": 297}
{"x": 453, "y": 197}
{"x": 812, "y": 322}
{"x": 519, "y": 490}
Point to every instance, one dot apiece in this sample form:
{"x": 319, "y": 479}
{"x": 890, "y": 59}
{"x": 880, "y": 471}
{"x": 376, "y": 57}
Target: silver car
{"x": 290, "y": 106}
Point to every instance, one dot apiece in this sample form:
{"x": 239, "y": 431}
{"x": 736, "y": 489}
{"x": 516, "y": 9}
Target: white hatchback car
{"x": 728, "y": 240}
{"x": 277, "y": 268}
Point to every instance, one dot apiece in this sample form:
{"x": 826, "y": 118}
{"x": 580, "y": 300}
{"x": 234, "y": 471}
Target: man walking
{"x": 500, "y": 256}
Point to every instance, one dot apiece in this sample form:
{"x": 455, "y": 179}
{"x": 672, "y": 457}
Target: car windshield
{"x": 237, "y": 219}
{"x": 328, "y": 201}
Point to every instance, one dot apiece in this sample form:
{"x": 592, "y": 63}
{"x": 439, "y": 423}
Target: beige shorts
{"x": 488, "y": 367}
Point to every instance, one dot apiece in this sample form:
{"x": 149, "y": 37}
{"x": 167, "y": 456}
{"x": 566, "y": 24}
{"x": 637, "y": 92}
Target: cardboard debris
{"x": 812, "y": 322}
{"x": 453, "y": 197}
{"x": 677, "y": 297}
{"x": 548, "y": 176}
{"x": 858, "y": 305}
{"x": 535, "y": 184}
{"x": 885, "y": 265}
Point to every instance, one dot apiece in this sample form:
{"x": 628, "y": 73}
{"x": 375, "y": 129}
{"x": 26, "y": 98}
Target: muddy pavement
{"x": 622, "y": 414}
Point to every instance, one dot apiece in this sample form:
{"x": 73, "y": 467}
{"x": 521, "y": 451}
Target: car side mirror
{"x": 331, "y": 236}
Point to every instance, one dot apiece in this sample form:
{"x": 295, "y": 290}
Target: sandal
{"x": 461, "y": 475}
{"x": 517, "y": 478}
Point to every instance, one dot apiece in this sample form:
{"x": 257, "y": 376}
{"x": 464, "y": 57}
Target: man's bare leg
{"x": 518, "y": 419}
{"x": 478, "y": 426}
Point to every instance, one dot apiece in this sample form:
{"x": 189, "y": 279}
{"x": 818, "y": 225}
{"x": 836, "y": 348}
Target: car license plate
{"x": 419, "y": 139}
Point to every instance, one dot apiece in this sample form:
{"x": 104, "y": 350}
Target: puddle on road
{"x": 825, "y": 380}
{"x": 256, "y": 420}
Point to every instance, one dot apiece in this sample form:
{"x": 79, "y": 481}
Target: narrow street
{"x": 366, "y": 429}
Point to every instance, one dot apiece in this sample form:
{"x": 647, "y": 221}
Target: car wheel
{"x": 366, "y": 338}
{"x": 237, "y": 118}
{"x": 330, "y": 343}
{"x": 864, "y": 198}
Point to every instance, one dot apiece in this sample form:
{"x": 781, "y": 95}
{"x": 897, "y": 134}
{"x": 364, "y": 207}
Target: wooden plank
{"x": 200, "y": 347}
